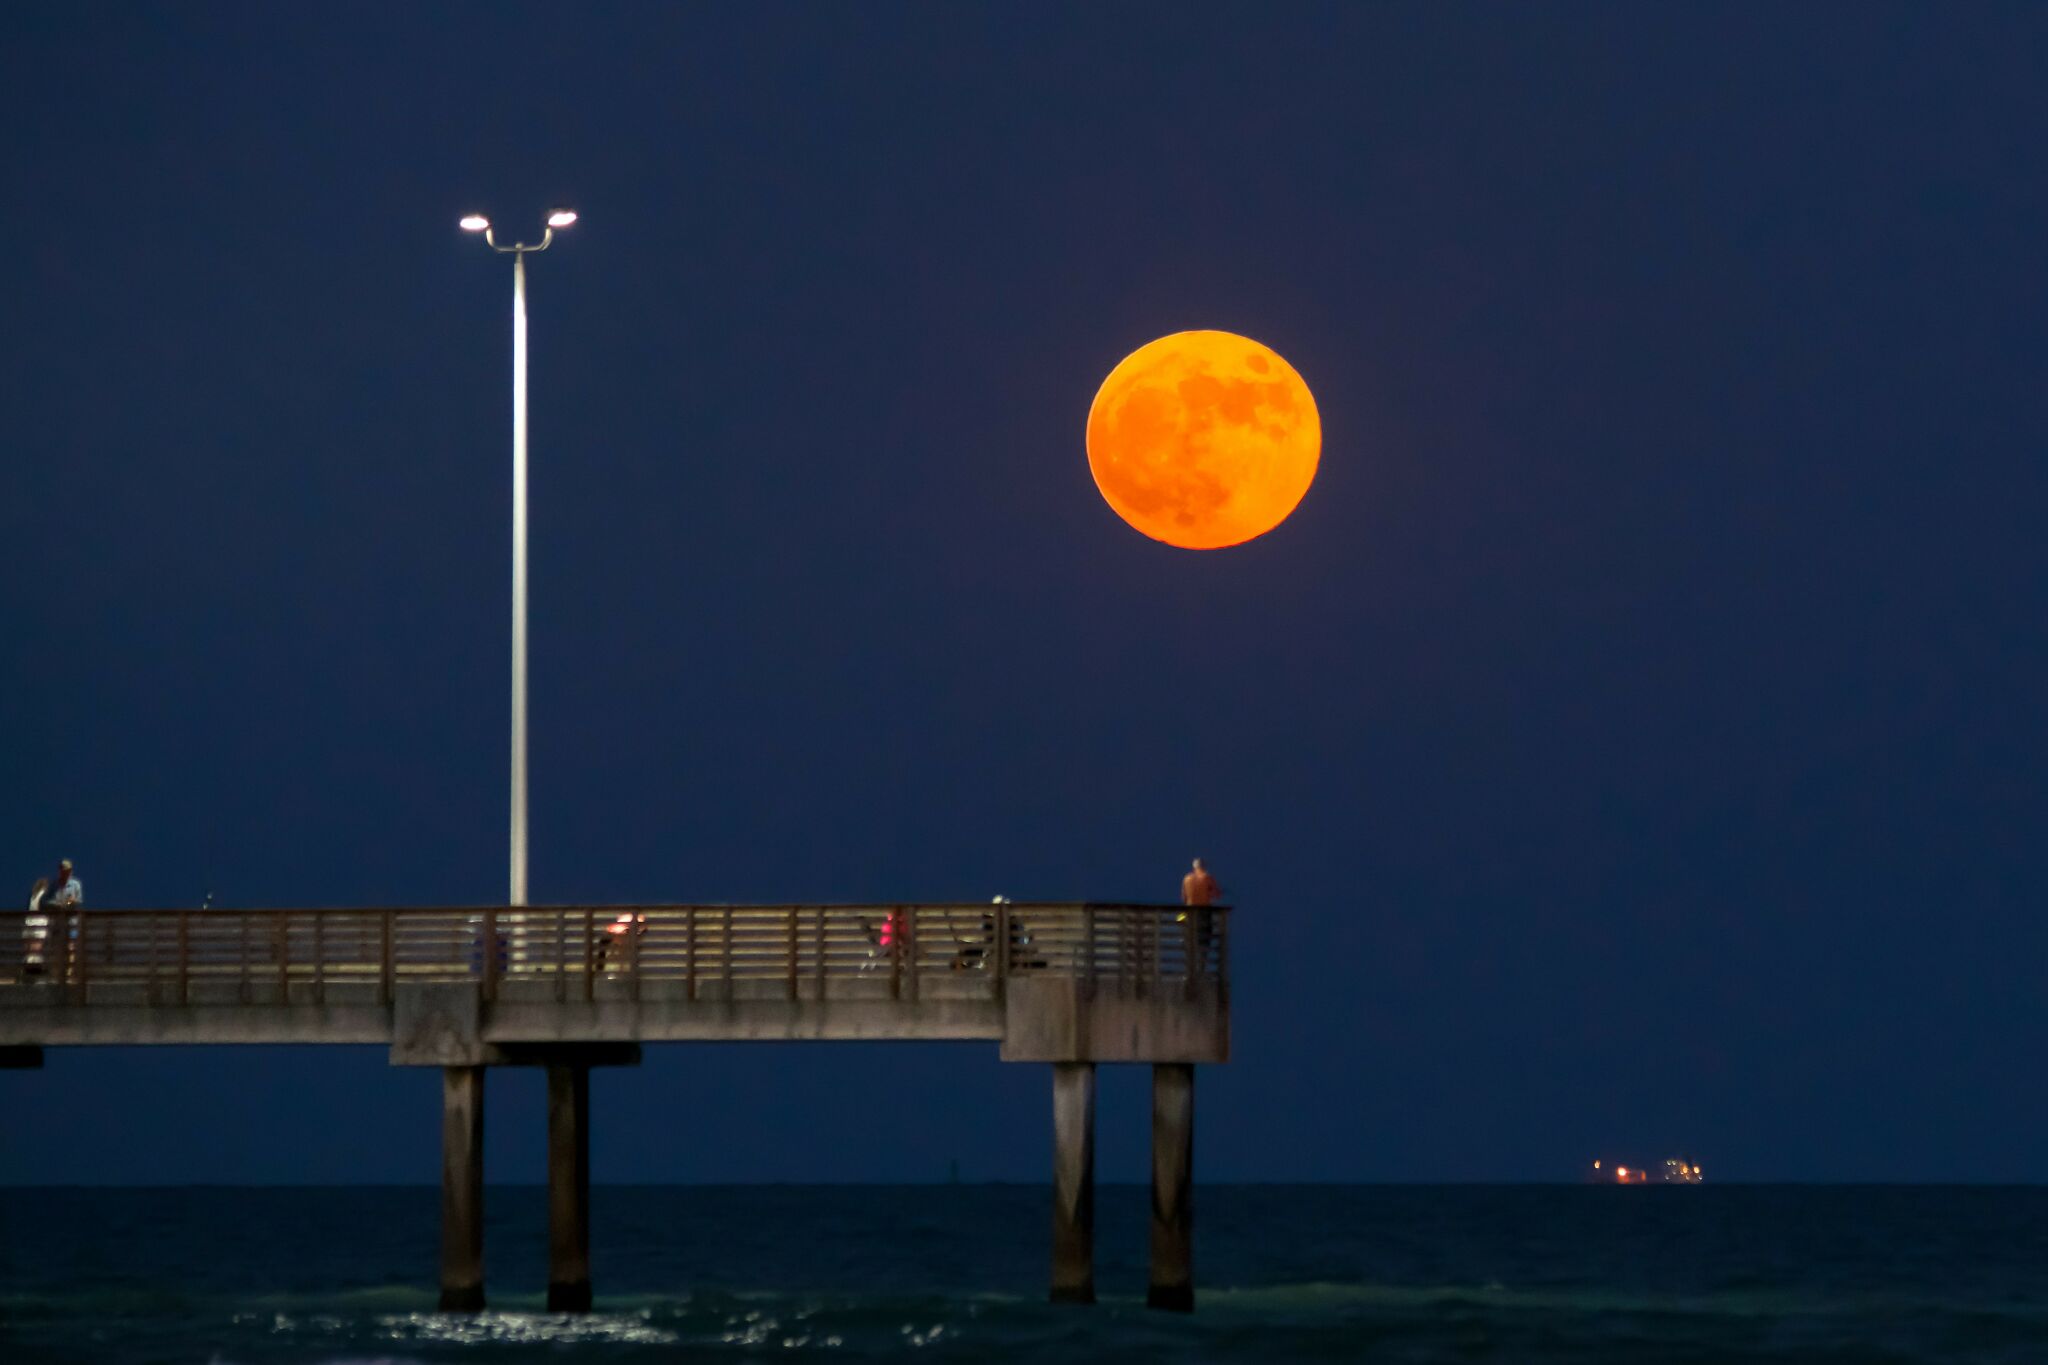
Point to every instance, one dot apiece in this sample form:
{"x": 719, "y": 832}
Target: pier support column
{"x": 568, "y": 1188}
{"x": 1073, "y": 1182}
{"x": 462, "y": 1189}
{"x": 1173, "y": 1185}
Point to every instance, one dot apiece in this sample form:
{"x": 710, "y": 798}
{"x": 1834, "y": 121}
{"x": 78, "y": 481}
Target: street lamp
{"x": 518, "y": 251}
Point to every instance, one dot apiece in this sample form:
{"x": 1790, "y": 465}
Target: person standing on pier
{"x": 1198, "y": 890}
{"x": 67, "y": 889}
{"x": 64, "y": 892}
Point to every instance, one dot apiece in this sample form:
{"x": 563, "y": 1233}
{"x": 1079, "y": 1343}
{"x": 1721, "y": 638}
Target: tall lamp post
{"x": 518, "y": 251}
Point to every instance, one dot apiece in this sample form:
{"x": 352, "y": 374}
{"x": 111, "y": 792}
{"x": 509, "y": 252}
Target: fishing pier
{"x": 1071, "y": 985}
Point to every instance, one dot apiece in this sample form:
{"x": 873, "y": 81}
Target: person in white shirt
{"x": 67, "y": 889}
{"x": 43, "y": 897}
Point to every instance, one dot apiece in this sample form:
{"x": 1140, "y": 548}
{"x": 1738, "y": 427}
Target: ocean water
{"x": 1284, "y": 1273}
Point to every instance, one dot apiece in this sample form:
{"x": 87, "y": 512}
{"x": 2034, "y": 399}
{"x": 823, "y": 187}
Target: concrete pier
{"x": 1073, "y": 1182}
{"x": 1173, "y": 1184}
{"x": 1073, "y": 985}
{"x": 462, "y": 1189}
{"x": 568, "y": 1188}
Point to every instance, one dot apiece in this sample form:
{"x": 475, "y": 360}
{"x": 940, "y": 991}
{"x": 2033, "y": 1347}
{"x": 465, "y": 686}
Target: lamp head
{"x": 561, "y": 218}
{"x": 475, "y": 222}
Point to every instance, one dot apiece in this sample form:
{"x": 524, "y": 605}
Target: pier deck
{"x": 1049, "y": 982}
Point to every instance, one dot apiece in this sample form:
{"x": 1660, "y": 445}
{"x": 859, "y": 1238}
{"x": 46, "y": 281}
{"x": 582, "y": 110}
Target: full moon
{"x": 1203, "y": 439}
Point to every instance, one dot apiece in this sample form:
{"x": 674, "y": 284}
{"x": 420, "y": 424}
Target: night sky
{"x": 1632, "y": 745}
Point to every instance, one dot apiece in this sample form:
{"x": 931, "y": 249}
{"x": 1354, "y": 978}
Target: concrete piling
{"x": 1173, "y": 1163}
{"x": 462, "y": 1189}
{"x": 568, "y": 1188}
{"x": 1073, "y": 1182}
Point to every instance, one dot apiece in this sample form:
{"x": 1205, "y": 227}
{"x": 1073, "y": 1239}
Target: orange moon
{"x": 1204, "y": 439}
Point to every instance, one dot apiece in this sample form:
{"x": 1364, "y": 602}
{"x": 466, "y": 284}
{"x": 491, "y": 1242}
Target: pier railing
{"x": 798, "y": 952}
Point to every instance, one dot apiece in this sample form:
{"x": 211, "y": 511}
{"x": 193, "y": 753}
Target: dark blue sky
{"x": 1632, "y": 744}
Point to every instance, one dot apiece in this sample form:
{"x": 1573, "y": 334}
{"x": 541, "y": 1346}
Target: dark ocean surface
{"x": 1381, "y": 1273}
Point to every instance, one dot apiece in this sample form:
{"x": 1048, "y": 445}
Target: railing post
{"x": 589, "y": 954}
{"x": 561, "y": 956}
{"x": 910, "y": 946}
{"x": 154, "y": 926}
{"x": 1151, "y": 930}
{"x": 1002, "y": 949}
{"x": 1155, "y": 948}
{"x": 690, "y": 952}
{"x": 319, "y": 957}
{"x": 1223, "y": 957}
{"x": 1130, "y": 952}
{"x": 1120, "y": 950}
{"x": 1188, "y": 950}
{"x": 1088, "y": 952}
{"x": 894, "y": 920}
{"x": 1152, "y": 948}
{"x": 281, "y": 934}
{"x": 633, "y": 952}
{"x": 56, "y": 964}
{"x": 242, "y": 978}
{"x": 57, "y": 948}
{"x": 184, "y": 957}
{"x": 818, "y": 943}
{"x": 725, "y": 953}
{"x": 1130, "y": 961}
{"x": 490, "y": 955}
{"x": 790, "y": 937}
{"x": 81, "y": 953}
{"x": 387, "y": 956}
